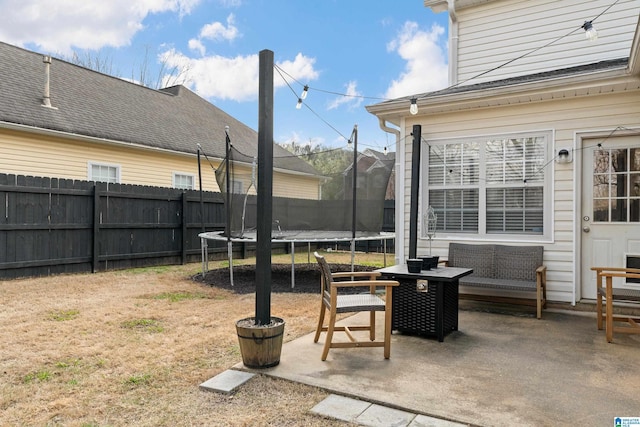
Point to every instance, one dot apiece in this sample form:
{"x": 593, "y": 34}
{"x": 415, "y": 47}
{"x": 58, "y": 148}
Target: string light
{"x": 590, "y": 34}
{"x": 414, "y": 106}
{"x": 590, "y": 31}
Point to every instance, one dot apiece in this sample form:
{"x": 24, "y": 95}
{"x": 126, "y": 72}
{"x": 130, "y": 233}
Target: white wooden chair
{"x": 335, "y": 302}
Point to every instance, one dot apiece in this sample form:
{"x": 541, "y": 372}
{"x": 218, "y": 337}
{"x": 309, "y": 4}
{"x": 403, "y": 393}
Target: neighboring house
{"x": 375, "y": 169}
{"x": 65, "y": 121}
{"x": 537, "y": 139}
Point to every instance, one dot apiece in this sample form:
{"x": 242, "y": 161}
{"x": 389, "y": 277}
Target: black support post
{"x": 415, "y": 187}
{"x": 265, "y": 188}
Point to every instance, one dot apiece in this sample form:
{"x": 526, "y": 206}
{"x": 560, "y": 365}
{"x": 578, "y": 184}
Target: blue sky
{"x": 370, "y": 49}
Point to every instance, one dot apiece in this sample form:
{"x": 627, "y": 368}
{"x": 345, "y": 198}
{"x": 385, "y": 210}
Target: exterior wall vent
{"x": 633, "y": 261}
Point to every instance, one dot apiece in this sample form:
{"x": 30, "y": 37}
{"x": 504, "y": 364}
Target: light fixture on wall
{"x": 564, "y": 155}
{"x": 590, "y": 31}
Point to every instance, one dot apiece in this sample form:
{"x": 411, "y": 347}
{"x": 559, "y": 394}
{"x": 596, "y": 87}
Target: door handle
{"x": 586, "y": 229}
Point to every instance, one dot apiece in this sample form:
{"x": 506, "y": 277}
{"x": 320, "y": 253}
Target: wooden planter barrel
{"x": 260, "y": 345}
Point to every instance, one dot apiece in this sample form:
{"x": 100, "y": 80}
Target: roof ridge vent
{"x": 46, "y": 100}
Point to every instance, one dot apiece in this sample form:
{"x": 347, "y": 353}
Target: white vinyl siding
{"x": 566, "y": 118}
{"x": 22, "y": 153}
{"x": 495, "y": 33}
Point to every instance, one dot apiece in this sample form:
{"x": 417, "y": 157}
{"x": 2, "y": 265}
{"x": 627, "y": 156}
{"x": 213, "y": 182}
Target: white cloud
{"x": 235, "y": 78}
{"x": 217, "y": 30}
{"x": 196, "y": 44}
{"x": 301, "y": 68}
{"x": 352, "y": 97}
{"x": 61, "y": 26}
{"x": 426, "y": 68}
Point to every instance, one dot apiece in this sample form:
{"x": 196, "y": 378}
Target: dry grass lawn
{"x": 131, "y": 347}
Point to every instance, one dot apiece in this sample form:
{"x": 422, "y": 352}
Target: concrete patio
{"x": 502, "y": 368}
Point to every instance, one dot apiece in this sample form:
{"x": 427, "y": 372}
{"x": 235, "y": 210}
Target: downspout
{"x": 399, "y": 202}
{"x": 453, "y": 43}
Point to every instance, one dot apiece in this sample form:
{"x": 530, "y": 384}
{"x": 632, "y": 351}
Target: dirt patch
{"x": 307, "y": 278}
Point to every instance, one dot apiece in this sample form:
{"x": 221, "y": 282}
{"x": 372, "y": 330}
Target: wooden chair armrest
{"x": 616, "y": 269}
{"x": 541, "y": 269}
{"x": 371, "y": 274}
{"x": 362, "y": 283}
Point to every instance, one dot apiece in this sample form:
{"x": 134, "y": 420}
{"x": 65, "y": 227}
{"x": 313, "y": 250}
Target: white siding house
{"x": 526, "y": 85}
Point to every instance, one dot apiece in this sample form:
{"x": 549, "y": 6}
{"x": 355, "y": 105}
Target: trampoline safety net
{"x": 331, "y": 215}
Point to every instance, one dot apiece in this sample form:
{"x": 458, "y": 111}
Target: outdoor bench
{"x": 503, "y": 267}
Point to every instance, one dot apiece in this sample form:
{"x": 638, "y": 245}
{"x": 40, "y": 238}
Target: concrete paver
{"x": 227, "y": 381}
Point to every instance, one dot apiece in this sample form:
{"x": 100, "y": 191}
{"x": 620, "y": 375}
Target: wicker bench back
{"x": 497, "y": 261}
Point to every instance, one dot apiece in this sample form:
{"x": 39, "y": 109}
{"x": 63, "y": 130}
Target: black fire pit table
{"x": 425, "y": 303}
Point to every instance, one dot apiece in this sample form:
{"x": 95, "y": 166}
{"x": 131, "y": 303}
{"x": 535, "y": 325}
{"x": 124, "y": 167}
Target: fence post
{"x": 184, "y": 226}
{"x": 96, "y": 228}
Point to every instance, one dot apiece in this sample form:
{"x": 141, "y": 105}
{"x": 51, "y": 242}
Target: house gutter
{"x": 399, "y": 201}
{"x": 504, "y": 95}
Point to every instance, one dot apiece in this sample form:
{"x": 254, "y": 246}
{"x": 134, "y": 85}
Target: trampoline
{"x": 292, "y": 237}
{"x": 349, "y": 208}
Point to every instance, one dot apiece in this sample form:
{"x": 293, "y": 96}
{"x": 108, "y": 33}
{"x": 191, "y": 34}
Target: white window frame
{"x": 546, "y": 184}
{"x": 185, "y": 175}
{"x": 90, "y": 166}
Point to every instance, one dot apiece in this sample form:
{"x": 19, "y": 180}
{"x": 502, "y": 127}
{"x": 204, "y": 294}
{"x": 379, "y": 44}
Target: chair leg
{"x": 599, "y": 311}
{"x": 387, "y": 327}
{"x": 539, "y": 301}
{"x": 329, "y": 337}
{"x": 372, "y": 325}
{"x": 323, "y": 309}
{"x": 609, "y": 313}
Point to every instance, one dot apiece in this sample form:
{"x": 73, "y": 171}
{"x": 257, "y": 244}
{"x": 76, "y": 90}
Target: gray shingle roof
{"x": 93, "y": 104}
{"x": 564, "y": 72}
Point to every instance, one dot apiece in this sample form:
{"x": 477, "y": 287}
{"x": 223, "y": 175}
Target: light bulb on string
{"x": 303, "y": 95}
{"x": 299, "y": 104}
{"x": 413, "y": 109}
{"x": 590, "y": 31}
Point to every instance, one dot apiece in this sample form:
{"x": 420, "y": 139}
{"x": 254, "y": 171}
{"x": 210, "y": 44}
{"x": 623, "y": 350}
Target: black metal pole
{"x": 201, "y": 196}
{"x": 227, "y": 182}
{"x": 264, "y": 188}
{"x": 355, "y": 181}
{"x": 415, "y": 186}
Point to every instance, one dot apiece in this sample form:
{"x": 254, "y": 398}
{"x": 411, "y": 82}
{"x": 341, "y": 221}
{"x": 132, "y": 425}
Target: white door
{"x": 610, "y": 220}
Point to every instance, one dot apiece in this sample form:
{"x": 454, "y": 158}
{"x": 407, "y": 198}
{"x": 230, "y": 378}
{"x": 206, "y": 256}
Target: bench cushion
{"x": 489, "y": 282}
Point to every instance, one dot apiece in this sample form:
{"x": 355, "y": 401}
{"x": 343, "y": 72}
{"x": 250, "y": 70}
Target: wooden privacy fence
{"x": 54, "y": 226}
